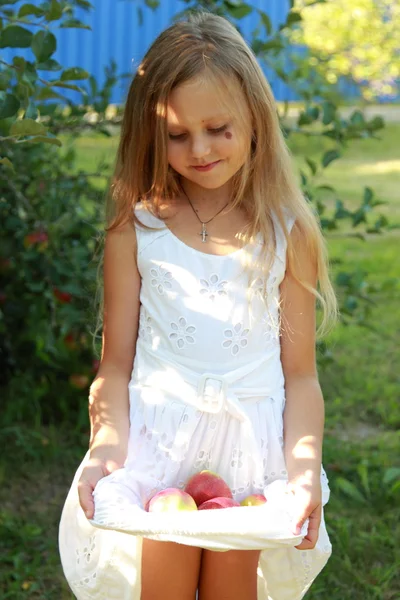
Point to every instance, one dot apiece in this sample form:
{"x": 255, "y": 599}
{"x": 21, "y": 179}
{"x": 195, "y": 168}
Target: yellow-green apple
{"x": 218, "y": 503}
{"x": 254, "y": 500}
{"x": 170, "y": 499}
{"x": 206, "y": 485}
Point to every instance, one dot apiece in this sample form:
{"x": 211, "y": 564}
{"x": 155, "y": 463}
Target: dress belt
{"x": 208, "y": 392}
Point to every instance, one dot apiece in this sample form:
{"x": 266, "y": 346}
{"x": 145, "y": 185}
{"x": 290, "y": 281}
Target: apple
{"x": 206, "y": 485}
{"x": 37, "y": 237}
{"x": 63, "y": 297}
{"x": 170, "y": 499}
{"x": 70, "y": 341}
{"x": 218, "y": 503}
{"x": 254, "y": 500}
{"x": 79, "y": 381}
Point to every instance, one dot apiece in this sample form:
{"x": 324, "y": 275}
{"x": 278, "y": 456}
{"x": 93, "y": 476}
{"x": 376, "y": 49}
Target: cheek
{"x": 174, "y": 154}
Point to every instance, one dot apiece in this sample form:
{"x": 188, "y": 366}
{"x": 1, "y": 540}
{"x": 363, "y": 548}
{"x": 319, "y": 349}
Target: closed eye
{"x": 182, "y": 136}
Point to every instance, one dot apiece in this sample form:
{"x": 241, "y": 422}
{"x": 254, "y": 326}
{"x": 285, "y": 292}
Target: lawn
{"x": 361, "y": 388}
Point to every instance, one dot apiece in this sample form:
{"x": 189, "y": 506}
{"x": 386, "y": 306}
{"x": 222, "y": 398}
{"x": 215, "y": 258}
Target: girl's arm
{"x": 109, "y": 396}
{"x": 304, "y": 410}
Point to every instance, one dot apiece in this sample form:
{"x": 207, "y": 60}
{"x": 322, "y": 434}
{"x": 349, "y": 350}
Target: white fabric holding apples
{"x": 207, "y": 392}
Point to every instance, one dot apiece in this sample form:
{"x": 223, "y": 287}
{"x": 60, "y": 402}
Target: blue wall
{"x": 116, "y": 32}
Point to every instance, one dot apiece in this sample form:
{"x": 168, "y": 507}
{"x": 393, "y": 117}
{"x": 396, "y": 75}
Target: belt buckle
{"x": 211, "y": 392}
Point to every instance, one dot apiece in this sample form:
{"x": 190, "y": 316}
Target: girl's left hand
{"x": 308, "y": 496}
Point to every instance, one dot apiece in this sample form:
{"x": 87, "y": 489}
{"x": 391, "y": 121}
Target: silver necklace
{"x": 204, "y": 234}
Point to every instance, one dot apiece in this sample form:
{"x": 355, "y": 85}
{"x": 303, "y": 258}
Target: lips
{"x": 207, "y": 167}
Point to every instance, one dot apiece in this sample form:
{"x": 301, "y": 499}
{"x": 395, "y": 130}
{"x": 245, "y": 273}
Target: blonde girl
{"x": 211, "y": 267}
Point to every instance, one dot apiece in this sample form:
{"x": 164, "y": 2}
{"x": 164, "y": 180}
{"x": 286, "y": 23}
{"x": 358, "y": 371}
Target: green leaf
{"x": 73, "y": 74}
{"x": 348, "y": 488}
{"x": 329, "y": 112}
{"x": 240, "y": 11}
{"x": 55, "y": 11}
{"x": 69, "y": 86}
{"x": 44, "y": 44}
{"x": 329, "y": 157}
{"x": 15, "y": 36}
{"x": 19, "y": 63}
{"x": 368, "y": 195}
{"x": 362, "y": 470}
{"x": 84, "y": 4}
{"x": 304, "y": 119}
{"x": 74, "y": 23}
{"x": 49, "y": 65}
{"x": 45, "y": 93}
{"x": 293, "y": 17}
{"x": 7, "y": 163}
{"x": 266, "y": 21}
{"x": 31, "y": 112}
{"x": 46, "y": 139}
{"x": 376, "y": 123}
{"x": 9, "y": 105}
{"x": 391, "y": 474}
{"x": 312, "y": 164}
{"x": 357, "y": 118}
{"x": 5, "y": 78}
{"x": 30, "y": 9}
{"x": 27, "y": 127}
{"x": 152, "y": 3}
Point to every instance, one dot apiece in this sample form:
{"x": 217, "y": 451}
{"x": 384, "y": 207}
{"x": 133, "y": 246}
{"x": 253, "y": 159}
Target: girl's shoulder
{"x": 146, "y": 217}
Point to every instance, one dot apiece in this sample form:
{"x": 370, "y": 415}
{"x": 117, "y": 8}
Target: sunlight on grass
{"x": 381, "y": 167}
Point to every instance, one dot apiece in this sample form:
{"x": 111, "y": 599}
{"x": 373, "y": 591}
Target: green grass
{"x": 361, "y": 390}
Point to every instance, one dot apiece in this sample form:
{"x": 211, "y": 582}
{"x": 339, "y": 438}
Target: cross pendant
{"x": 203, "y": 233}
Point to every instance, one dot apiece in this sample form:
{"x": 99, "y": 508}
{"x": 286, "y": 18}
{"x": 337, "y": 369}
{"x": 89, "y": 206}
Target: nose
{"x": 200, "y": 146}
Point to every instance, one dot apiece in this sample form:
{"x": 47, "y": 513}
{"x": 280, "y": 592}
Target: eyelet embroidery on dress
{"x": 271, "y": 329}
{"x": 182, "y": 333}
{"x": 86, "y": 554}
{"x": 160, "y": 279}
{"x": 236, "y": 338}
{"x": 236, "y": 461}
{"x": 145, "y": 326}
{"x": 213, "y": 287}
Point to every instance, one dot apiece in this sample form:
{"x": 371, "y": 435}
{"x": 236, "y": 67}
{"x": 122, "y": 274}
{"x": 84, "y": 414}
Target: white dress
{"x": 206, "y": 392}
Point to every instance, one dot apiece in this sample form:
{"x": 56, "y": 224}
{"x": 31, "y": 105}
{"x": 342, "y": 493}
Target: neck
{"x": 203, "y": 198}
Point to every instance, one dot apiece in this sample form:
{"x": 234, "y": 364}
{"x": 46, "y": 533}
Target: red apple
{"x": 170, "y": 499}
{"x": 79, "y": 381}
{"x": 36, "y": 237}
{"x": 70, "y": 341}
{"x": 254, "y": 500}
{"x": 218, "y": 503}
{"x": 206, "y": 485}
{"x": 63, "y": 297}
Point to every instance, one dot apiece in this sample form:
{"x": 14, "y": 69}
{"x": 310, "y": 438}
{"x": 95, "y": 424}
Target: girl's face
{"x": 207, "y": 145}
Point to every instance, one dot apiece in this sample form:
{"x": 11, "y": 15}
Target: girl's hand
{"x": 308, "y": 496}
{"x": 95, "y": 469}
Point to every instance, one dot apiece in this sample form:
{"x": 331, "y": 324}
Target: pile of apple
{"x": 203, "y": 491}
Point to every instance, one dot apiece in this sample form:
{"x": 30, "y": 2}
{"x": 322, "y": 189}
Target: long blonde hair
{"x": 207, "y": 45}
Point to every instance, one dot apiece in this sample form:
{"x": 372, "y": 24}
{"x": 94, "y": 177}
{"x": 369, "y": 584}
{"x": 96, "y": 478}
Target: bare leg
{"x": 229, "y": 575}
{"x": 169, "y": 571}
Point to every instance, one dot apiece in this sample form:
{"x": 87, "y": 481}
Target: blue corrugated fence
{"x": 120, "y": 32}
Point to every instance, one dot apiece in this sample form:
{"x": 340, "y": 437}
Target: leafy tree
{"x": 358, "y": 40}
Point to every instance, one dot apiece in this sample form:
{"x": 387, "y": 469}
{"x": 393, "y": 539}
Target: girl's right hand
{"x": 95, "y": 469}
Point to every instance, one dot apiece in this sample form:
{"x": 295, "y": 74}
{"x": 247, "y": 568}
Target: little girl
{"x": 211, "y": 265}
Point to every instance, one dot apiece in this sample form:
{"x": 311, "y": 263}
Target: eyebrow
{"x": 223, "y": 117}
